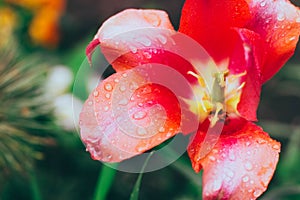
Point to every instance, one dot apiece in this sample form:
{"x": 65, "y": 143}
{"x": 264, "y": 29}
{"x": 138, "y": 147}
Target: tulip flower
{"x": 248, "y": 41}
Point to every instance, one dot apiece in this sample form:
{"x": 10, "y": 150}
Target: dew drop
{"x": 122, "y": 88}
{"x": 280, "y": 17}
{"x": 276, "y": 147}
{"x": 215, "y": 151}
{"x": 245, "y": 179}
{"x": 146, "y": 90}
{"x": 90, "y": 103}
{"x": 139, "y": 115}
{"x": 141, "y": 131}
{"x": 96, "y": 93}
{"x": 169, "y": 134}
{"x": 106, "y": 108}
{"x": 231, "y": 155}
{"x": 124, "y": 75}
{"x": 212, "y": 158}
{"x": 117, "y": 80}
{"x": 133, "y": 49}
{"x": 248, "y": 166}
{"x": 108, "y": 87}
{"x": 256, "y": 193}
{"x": 261, "y": 141}
{"x": 109, "y": 157}
{"x": 140, "y": 104}
{"x": 162, "y": 39}
{"x": 107, "y": 95}
{"x": 161, "y": 129}
{"x": 262, "y": 4}
{"x": 298, "y": 20}
{"x": 145, "y": 41}
{"x": 229, "y": 173}
{"x": 147, "y": 55}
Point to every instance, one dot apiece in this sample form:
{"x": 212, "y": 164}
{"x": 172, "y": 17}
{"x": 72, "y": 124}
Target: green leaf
{"x": 105, "y": 181}
{"x": 136, "y": 189}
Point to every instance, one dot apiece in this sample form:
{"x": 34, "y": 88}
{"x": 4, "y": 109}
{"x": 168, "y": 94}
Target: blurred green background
{"x": 41, "y": 156}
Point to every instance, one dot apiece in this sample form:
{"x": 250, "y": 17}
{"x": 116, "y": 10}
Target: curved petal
{"x": 127, "y": 115}
{"x": 278, "y": 23}
{"x": 247, "y": 58}
{"x": 241, "y": 164}
{"x": 123, "y": 33}
{"x": 209, "y": 22}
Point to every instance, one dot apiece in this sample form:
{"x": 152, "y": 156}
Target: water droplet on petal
{"x": 280, "y": 17}
{"x": 212, "y": 158}
{"x": 262, "y": 4}
{"x": 90, "y": 103}
{"x": 215, "y": 151}
{"x": 117, "y": 80}
{"x": 256, "y": 193}
{"x": 245, "y": 179}
{"x": 261, "y": 141}
{"x": 145, "y": 41}
{"x": 96, "y": 93}
{"x": 139, "y": 115}
{"x": 276, "y": 147}
{"x": 140, "y": 104}
{"x": 248, "y": 166}
{"x": 124, "y": 75}
{"x": 229, "y": 173}
{"x": 161, "y": 129}
{"x": 141, "y": 131}
{"x": 108, "y": 87}
{"x": 146, "y": 90}
{"x": 147, "y": 55}
{"x": 122, "y": 88}
{"x": 106, "y": 108}
{"x": 162, "y": 39}
{"x": 109, "y": 157}
{"x": 133, "y": 49}
{"x": 298, "y": 20}
{"x": 231, "y": 155}
{"x": 107, "y": 95}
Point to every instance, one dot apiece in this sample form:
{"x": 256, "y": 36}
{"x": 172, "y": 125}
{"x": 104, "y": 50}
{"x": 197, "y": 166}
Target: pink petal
{"x": 131, "y": 112}
{"x": 278, "y": 24}
{"x": 241, "y": 164}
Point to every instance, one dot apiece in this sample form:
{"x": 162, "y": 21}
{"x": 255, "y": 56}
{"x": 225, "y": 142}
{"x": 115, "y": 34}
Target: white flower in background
{"x": 59, "y": 80}
{"x": 65, "y": 105}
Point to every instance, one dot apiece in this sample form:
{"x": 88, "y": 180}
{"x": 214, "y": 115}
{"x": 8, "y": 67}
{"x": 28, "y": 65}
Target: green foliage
{"x": 25, "y": 117}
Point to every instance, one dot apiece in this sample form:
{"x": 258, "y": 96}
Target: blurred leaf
{"x": 25, "y": 115}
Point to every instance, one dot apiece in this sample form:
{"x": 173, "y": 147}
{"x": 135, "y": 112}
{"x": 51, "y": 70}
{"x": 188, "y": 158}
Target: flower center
{"x": 218, "y": 100}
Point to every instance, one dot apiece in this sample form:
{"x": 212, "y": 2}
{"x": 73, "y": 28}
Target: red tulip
{"x": 138, "y": 108}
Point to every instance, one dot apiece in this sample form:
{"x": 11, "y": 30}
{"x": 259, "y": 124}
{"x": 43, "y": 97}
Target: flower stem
{"x": 105, "y": 180}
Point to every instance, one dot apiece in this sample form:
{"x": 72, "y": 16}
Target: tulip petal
{"x": 125, "y": 33}
{"x": 126, "y": 115}
{"x": 209, "y": 23}
{"x": 278, "y": 23}
{"x": 247, "y": 57}
{"x": 241, "y": 164}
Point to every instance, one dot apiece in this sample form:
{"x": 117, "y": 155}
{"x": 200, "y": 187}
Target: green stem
{"x": 105, "y": 180}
